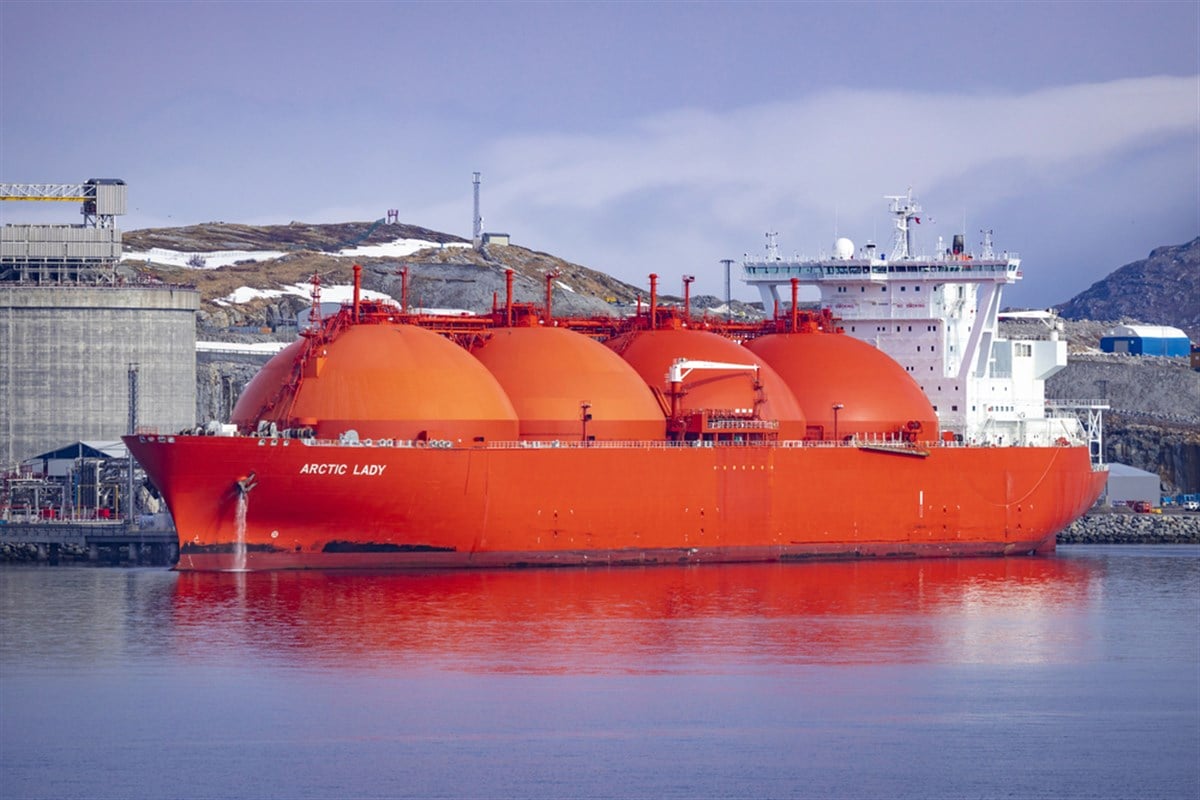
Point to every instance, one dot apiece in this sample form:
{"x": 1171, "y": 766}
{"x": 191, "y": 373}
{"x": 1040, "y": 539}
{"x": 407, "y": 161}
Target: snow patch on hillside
{"x": 396, "y": 249}
{"x": 223, "y": 258}
{"x": 330, "y": 293}
{"x": 208, "y": 260}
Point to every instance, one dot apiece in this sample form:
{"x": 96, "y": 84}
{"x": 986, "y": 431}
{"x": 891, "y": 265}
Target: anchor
{"x": 244, "y": 485}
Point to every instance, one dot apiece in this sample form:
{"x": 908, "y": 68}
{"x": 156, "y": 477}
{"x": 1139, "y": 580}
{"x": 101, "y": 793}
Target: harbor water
{"x": 1071, "y": 676}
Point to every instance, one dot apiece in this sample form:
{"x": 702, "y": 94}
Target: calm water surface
{"x": 1076, "y": 676}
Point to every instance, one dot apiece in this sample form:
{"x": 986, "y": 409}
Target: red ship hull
{"x": 322, "y": 505}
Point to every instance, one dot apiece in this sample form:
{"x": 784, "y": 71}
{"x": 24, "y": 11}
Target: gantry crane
{"x": 102, "y": 199}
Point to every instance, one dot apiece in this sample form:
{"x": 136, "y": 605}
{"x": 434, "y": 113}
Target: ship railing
{"x": 819, "y": 270}
{"x": 1066, "y": 404}
{"x": 656, "y": 444}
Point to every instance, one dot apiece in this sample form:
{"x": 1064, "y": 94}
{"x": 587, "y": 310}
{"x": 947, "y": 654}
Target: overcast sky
{"x": 628, "y": 137}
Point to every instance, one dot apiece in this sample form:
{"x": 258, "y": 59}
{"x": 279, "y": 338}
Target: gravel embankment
{"x": 1120, "y": 528}
{"x": 18, "y": 552}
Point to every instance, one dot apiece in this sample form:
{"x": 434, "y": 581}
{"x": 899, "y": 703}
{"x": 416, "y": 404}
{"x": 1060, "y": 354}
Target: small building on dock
{"x": 1146, "y": 340}
{"x": 1127, "y": 485}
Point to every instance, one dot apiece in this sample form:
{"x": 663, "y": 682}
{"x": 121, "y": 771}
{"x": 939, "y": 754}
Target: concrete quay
{"x": 100, "y": 542}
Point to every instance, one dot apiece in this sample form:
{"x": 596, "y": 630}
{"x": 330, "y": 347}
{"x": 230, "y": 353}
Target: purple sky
{"x": 628, "y": 137}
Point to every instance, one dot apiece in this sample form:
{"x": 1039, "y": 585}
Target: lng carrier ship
{"x": 389, "y": 439}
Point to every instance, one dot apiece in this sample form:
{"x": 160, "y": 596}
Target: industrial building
{"x": 85, "y": 355}
{"x": 1146, "y": 340}
{"x": 1127, "y": 485}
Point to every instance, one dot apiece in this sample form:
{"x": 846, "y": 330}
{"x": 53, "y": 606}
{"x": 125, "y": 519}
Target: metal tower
{"x": 477, "y": 220}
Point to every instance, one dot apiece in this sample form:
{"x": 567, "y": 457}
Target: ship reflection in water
{"x": 1072, "y": 676}
{"x": 618, "y": 620}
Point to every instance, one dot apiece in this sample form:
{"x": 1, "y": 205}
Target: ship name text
{"x": 343, "y": 469}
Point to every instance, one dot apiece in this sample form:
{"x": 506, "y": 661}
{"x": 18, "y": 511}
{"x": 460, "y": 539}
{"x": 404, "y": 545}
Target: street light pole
{"x": 836, "y": 408}
{"x": 585, "y": 416}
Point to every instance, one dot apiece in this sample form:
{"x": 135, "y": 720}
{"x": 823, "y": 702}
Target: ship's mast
{"x": 988, "y": 251}
{"x": 906, "y": 210}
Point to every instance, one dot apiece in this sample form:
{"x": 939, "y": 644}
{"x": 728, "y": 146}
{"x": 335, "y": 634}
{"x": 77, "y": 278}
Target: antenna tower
{"x": 477, "y": 221}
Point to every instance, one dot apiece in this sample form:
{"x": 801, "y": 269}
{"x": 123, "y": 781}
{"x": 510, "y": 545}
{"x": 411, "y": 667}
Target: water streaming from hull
{"x": 239, "y": 545}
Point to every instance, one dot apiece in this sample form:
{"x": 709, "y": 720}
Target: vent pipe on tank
{"x": 357, "y": 288}
{"x": 653, "y": 301}
{"x": 550, "y": 276}
{"x": 795, "y": 296}
{"x": 687, "y": 298}
{"x": 508, "y": 300}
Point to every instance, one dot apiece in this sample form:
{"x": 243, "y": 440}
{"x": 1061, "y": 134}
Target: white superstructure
{"x": 937, "y": 315}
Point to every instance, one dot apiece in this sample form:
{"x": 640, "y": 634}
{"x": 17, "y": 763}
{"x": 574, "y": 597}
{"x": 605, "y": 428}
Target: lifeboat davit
{"x": 555, "y": 377}
{"x": 382, "y": 381}
{"x": 872, "y": 394}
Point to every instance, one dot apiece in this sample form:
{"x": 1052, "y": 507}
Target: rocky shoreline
{"x": 1128, "y": 528}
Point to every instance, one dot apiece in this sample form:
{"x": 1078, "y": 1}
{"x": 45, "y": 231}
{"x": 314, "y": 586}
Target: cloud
{"x": 812, "y": 144}
{"x": 688, "y": 179}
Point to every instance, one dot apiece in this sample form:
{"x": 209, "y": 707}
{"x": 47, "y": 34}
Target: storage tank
{"x": 873, "y": 394}
{"x": 549, "y": 373}
{"x": 651, "y": 354}
{"x": 65, "y": 356}
{"x": 381, "y": 381}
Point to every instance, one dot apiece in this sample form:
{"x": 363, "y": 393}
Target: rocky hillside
{"x": 1163, "y": 289}
{"x": 295, "y": 237}
{"x": 447, "y": 274}
{"x": 1154, "y": 418}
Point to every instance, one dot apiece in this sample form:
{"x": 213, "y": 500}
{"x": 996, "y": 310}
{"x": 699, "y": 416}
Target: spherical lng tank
{"x": 873, "y": 395}
{"x": 550, "y": 373}
{"x": 651, "y": 353}
{"x": 382, "y": 381}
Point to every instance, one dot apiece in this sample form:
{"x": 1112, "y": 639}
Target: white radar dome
{"x": 843, "y": 249}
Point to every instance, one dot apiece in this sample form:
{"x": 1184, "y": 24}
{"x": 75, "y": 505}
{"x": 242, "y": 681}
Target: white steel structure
{"x": 937, "y": 316}
{"x": 56, "y": 254}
